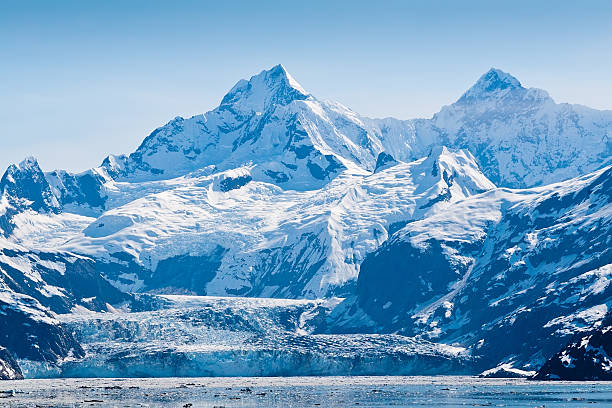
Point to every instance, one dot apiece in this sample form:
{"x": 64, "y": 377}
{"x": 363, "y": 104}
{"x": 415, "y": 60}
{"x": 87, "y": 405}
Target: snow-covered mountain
{"x": 267, "y": 154}
{"x": 509, "y": 274}
{"x": 34, "y": 288}
{"x": 520, "y": 136}
{"x": 587, "y": 357}
{"x": 269, "y": 122}
{"x": 276, "y": 193}
{"x": 195, "y": 235}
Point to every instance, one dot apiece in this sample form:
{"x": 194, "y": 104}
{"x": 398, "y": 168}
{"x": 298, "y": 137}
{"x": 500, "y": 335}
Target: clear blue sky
{"x": 82, "y": 79}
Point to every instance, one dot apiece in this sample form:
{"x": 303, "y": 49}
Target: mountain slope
{"x": 260, "y": 240}
{"x": 34, "y": 287}
{"x": 531, "y": 265}
{"x": 585, "y": 358}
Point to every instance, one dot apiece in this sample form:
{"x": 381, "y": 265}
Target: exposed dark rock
{"x": 9, "y": 368}
{"x": 588, "y": 356}
{"x": 384, "y": 161}
{"x": 233, "y": 183}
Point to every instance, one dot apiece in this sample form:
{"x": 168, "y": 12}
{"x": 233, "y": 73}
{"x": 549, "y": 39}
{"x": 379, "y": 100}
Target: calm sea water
{"x": 304, "y": 392}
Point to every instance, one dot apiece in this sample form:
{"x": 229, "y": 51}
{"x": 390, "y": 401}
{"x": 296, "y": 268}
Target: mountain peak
{"x": 264, "y": 90}
{"x": 29, "y": 162}
{"x": 495, "y": 79}
{"x": 28, "y": 166}
{"x": 281, "y": 72}
{"x": 27, "y": 187}
{"x": 491, "y": 83}
{"x": 460, "y": 165}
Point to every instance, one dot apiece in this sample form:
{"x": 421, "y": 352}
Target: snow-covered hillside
{"x": 227, "y": 234}
{"x": 261, "y": 240}
{"x": 510, "y": 274}
{"x": 587, "y": 357}
{"x": 34, "y": 288}
{"x": 520, "y": 136}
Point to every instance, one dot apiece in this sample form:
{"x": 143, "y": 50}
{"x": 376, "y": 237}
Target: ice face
{"x": 211, "y": 336}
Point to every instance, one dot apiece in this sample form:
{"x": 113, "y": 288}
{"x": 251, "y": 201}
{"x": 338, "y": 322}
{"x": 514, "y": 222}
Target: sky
{"x": 83, "y": 79}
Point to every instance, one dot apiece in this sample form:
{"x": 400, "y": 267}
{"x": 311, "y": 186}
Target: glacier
{"x": 189, "y": 336}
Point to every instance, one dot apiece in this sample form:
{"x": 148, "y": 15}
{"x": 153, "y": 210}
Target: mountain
{"x": 132, "y": 212}
{"x": 256, "y": 239}
{"x": 585, "y": 358}
{"x": 528, "y": 265}
{"x": 34, "y": 288}
{"x": 26, "y": 192}
{"x": 520, "y": 136}
{"x": 269, "y": 122}
{"x": 445, "y": 236}
{"x": 24, "y": 187}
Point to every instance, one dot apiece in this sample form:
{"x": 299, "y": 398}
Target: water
{"x": 444, "y": 391}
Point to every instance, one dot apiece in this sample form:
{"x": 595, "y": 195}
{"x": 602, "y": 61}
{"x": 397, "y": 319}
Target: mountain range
{"x": 449, "y": 236}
